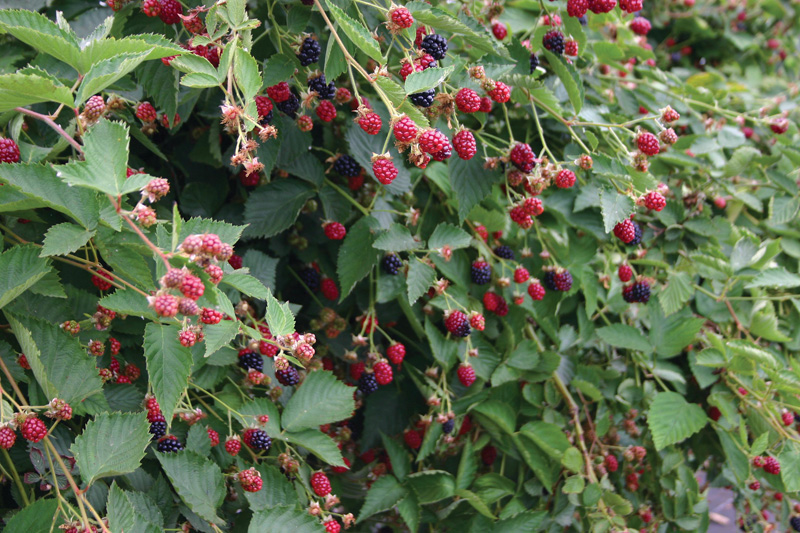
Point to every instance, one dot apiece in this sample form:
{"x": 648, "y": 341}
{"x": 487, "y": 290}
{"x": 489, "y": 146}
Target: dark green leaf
{"x": 111, "y": 445}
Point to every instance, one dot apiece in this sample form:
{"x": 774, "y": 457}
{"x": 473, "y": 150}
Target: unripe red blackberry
{"x": 383, "y": 373}
{"x": 457, "y": 324}
{"x": 402, "y": 17}
{"x": 486, "y": 104}
{"x": 165, "y": 305}
{"x": 326, "y": 111}
{"x": 532, "y": 206}
{"x": 396, "y": 352}
{"x": 384, "y": 169}
{"x": 279, "y": 92}
{"x": 501, "y": 92}
{"x": 520, "y": 217}
{"x": 405, "y": 130}
{"x": 233, "y": 445}
{"x": 9, "y": 151}
{"x": 329, "y": 289}
{"x": 477, "y": 321}
{"x": 332, "y": 526}
{"x": 151, "y": 8}
{"x": 535, "y": 290}
{"x": 371, "y": 123}
{"x": 466, "y": 374}
{"x": 779, "y": 125}
{"x": 565, "y": 179}
{"x": 571, "y": 48}
{"x": 192, "y": 287}
{"x": 499, "y": 30}
{"x": 522, "y": 157}
{"x": 654, "y": 200}
{"x": 170, "y": 11}
{"x": 468, "y": 101}
{"x": 187, "y": 338}
{"x": 433, "y": 141}
{"x": 413, "y": 438}
{"x": 611, "y": 463}
{"x": 669, "y": 115}
{"x": 250, "y": 480}
{"x": 464, "y": 144}
{"x": 602, "y": 6}
{"x": 625, "y": 273}
{"x": 521, "y": 274}
{"x": 640, "y": 26}
{"x": 210, "y": 316}
{"x": 101, "y": 283}
{"x": 94, "y": 108}
{"x": 647, "y": 143}
{"x": 668, "y": 136}
{"x": 771, "y": 466}
{"x": 59, "y": 409}
{"x": 343, "y": 95}
{"x": 630, "y": 6}
{"x": 577, "y": 8}
{"x": 320, "y": 484}
{"x": 33, "y": 429}
{"x": 488, "y": 455}
{"x": 334, "y": 231}
{"x": 625, "y": 231}
{"x": 7, "y": 437}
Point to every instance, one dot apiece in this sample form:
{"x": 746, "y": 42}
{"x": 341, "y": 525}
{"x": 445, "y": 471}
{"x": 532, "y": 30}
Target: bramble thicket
{"x": 324, "y": 265}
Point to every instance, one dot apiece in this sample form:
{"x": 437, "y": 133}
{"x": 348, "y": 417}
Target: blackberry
{"x": 251, "y": 360}
{"x": 290, "y": 106}
{"x": 457, "y": 324}
{"x": 311, "y": 278}
{"x": 504, "y": 251}
{"x": 266, "y": 119}
{"x": 169, "y": 444}
{"x": 158, "y": 429}
{"x": 309, "y": 52}
{"x": 391, "y": 264}
{"x": 367, "y": 383}
{"x": 259, "y": 440}
{"x": 435, "y": 45}
{"x": 423, "y": 99}
{"x": 557, "y": 280}
{"x": 554, "y": 41}
{"x": 347, "y": 166}
{"x": 288, "y": 377}
{"x": 637, "y": 239}
{"x": 448, "y": 426}
{"x": 639, "y": 292}
{"x": 481, "y": 272}
{"x": 547, "y": 280}
{"x": 795, "y": 523}
{"x": 534, "y": 62}
{"x": 326, "y": 91}
{"x": 583, "y": 20}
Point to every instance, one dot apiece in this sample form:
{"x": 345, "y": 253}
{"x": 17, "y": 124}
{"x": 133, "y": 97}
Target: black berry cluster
{"x": 310, "y": 277}
{"x": 554, "y": 41}
{"x": 251, "y": 360}
{"x": 391, "y": 264}
{"x": 423, "y": 99}
{"x": 158, "y": 429}
{"x": 504, "y": 251}
{"x": 259, "y": 440}
{"x": 367, "y": 383}
{"x": 291, "y": 105}
{"x": 169, "y": 444}
{"x": 638, "y": 292}
{"x": 448, "y": 426}
{"x": 309, "y": 52}
{"x": 637, "y": 239}
{"x": 560, "y": 280}
{"x": 534, "y": 62}
{"x": 288, "y": 377}
{"x": 481, "y": 272}
{"x": 326, "y": 91}
{"x": 435, "y": 45}
{"x": 347, "y": 166}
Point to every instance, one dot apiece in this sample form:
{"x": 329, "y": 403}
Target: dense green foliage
{"x": 197, "y": 256}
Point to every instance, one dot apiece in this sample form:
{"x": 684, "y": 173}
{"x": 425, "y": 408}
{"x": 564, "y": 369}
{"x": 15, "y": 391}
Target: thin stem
{"x": 17, "y": 480}
{"x": 50, "y": 122}
{"x": 352, "y": 200}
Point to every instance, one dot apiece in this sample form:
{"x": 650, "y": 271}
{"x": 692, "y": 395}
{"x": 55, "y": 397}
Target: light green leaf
{"x": 410, "y": 510}
{"x": 219, "y": 335}
{"x": 261, "y": 266}
{"x": 195, "y": 64}
{"x": 416, "y": 82}
{"x": 548, "y": 437}
{"x": 615, "y": 208}
{"x": 272, "y": 208}
{"x": 670, "y": 335}
{"x": 245, "y": 70}
{"x": 476, "y": 502}
{"x": 569, "y": 77}
{"x": 444, "y": 351}
{"x": 280, "y": 67}
{"x": 110, "y": 445}
{"x": 356, "y": 255}
{"x": 572, "y": 459}
{"x": 525, "y": 521}
{"x": 496, "y": 413}
{"x": 776, "y": 278}
{"x": 449, "y": 235}
{"x": 39, "y": 32}
{"x": 133, "y": 512}
{"x": 22, "y": 89}
{"x": 401, "y": 462}
{"x": 677, "y": 292}
{"x": 317, "y": 443}
{"x": 471, "y": 182}
{"x": 790, "y": 466}
{"x": 357, "y": 33}
{"x": 739, "y": 161}
{"x": 246, "y": 284}
{"x": 420, "y": 277}
{"x": 321, "y": 399}
{"x": 64, "y": 238}
{"x": 623, "y": 336}
{"x": 40, "y": 515}
{"x": 106, "y": 72}
{"x": 279, "y": 317}
{"x": 284, "y": 519}
{"x": 397, "y": 239}
{"x": 127, "y": 302}
{"x": 665, "y": 424}
{"x": 199, "y": 80}
{"x": 573, "y": 485}
{"x": 467, "y": 467}
{"x": 276, "y": 490}
{"x": 155, "y": 46}
{"x": 432, "y": 486}
{"x": 169, "y": 365}
{"x": 751, "y": 351}
{"x": 197, "y": 481}
{"x": 764, "y": 324}
{"x": 20, "y": 268}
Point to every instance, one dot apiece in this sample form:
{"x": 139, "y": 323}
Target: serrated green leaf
{"x": 31, "y": 87}
{"x": 195, "y": 64}
{"x": 39, "y": 32}
{"x": 317, "y": 443}
{"x": 670, "y": 335}
{"x": 470, "y": 182}
{"x": 569, "y": 77}
{"x": 420, "y": 277}
{"x": 169, "y": 365}
{"x": 356, "y": 255}
{"x": 416, "y": 82}
{"x": 284, "y": 519}
{"x": 449, "y": 235}
{"x": 667, "y": 426}
{"x": 790, "y": 466}
{"x": 751, "y": 351}
{"x": 432, "y": 486}
{"x": 132, "y": 512}
{"x": 41, "y": 182}
{"x": 40, "y": 515}
{"x": 410, "y": 510}
{"x": 111, "y": 444}
{"x": 739, "y": 161}
{"x": 279, "y": 67}
{"x": 199, "y": 80}
{"x": 357, "y": 33}
{"x": 218, "y": 335}
{"x": 321, "y": 399}
{"x": 155, "y": 46}
{"x": 246, "y": 284}
{"x": 279, "y": 317}
{"x": 63, "y": 239}
{"x": 548, "y": 437}
{"x": 615, "y": 208}
{"x": 444, "y": 351}
{"x": 197, "y": 481}
{"x": 764, "y": 324}
{"x": 623, "y": 336}
{"x": 128, "y": 302}
{"x": 384, "y": 494}
{"x": 678, "y": 291}
{"x": 106, "y": 72}
{"x": 476, "y": 502}
{"x": 525, "y": 521}
{"x": 276, "y": 490}
{"x": 397, "y": 239}
{"x": 245, "y": 70}
{"x": 573, "y": 485}
{"x": 496, "y": 413}
{"x": 274, "y": 207}
{"x": 401, "y": 461}
{"x": 228, "y": 233}
{"x": 20, "y": 268}
{"x": 467, "y": 467}
{"x": 776, "y": 278}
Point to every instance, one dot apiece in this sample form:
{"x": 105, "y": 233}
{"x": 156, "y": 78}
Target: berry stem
{"x": 17, "y": 480}
{"x": 352, "y": 200}
{"x": 50, "y": 122}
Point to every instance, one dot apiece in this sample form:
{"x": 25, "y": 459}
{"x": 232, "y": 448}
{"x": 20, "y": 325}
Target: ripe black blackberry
{"x": 158, "y": 429}
{"x": 367, "y": 383}
{"x": 309, "y": 52}
{"x": 554, "y": 41}
{"x": 169, "y": 444}
{"x": 326, "y": 91}
{"x": 534, "y": 62}
{"x": 560, "y": 280}
{"x": 448, "y": 426}
{"x": 639, "y": 292}
{"x": 423, "y": 99}
{"x": 638, "y": 235}
{"x": 504, "y": 251}
{"x": 435, "y": 45}
{"x": 481, "y": 272}
{"x": 347, "y": 166}
{"x": 250, "y": 360}
{"x": 288, "y": 377}
{"x": 290, "y": 106}
{"x": 266, "y": 119}
{"x": 259, "y": 440}
{"x": 391, "y": 264}
{"x": 311, "y": 278}
{"x": 795, "y": 523}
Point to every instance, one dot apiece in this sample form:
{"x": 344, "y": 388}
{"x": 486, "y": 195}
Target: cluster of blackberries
{"x": 435, "y": 45}
{"x": 423, "y": 99}
{"x": 158, "y": 428}
{"x": 311, "y": 278}
{"x": 257, "y": 439}
{"x": 391, "y": 264}
{"x": 169, "y": 444}
{"x": 554, "y": 41}
{"x": 250, "y": 360}
{"x": 557, "y": 280}
{"x": 367, "y": 383}
{"x": 638, "y": 292}
{"x": 347, "y": 166}
{"x": 291, "y": 105}
{"x": 288, "y": 377}
{"x": 326, "y": 91}
{"x": 504, "y": 251}
{"x": 309, "y": 52}
{"x": 481, "y": 272}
